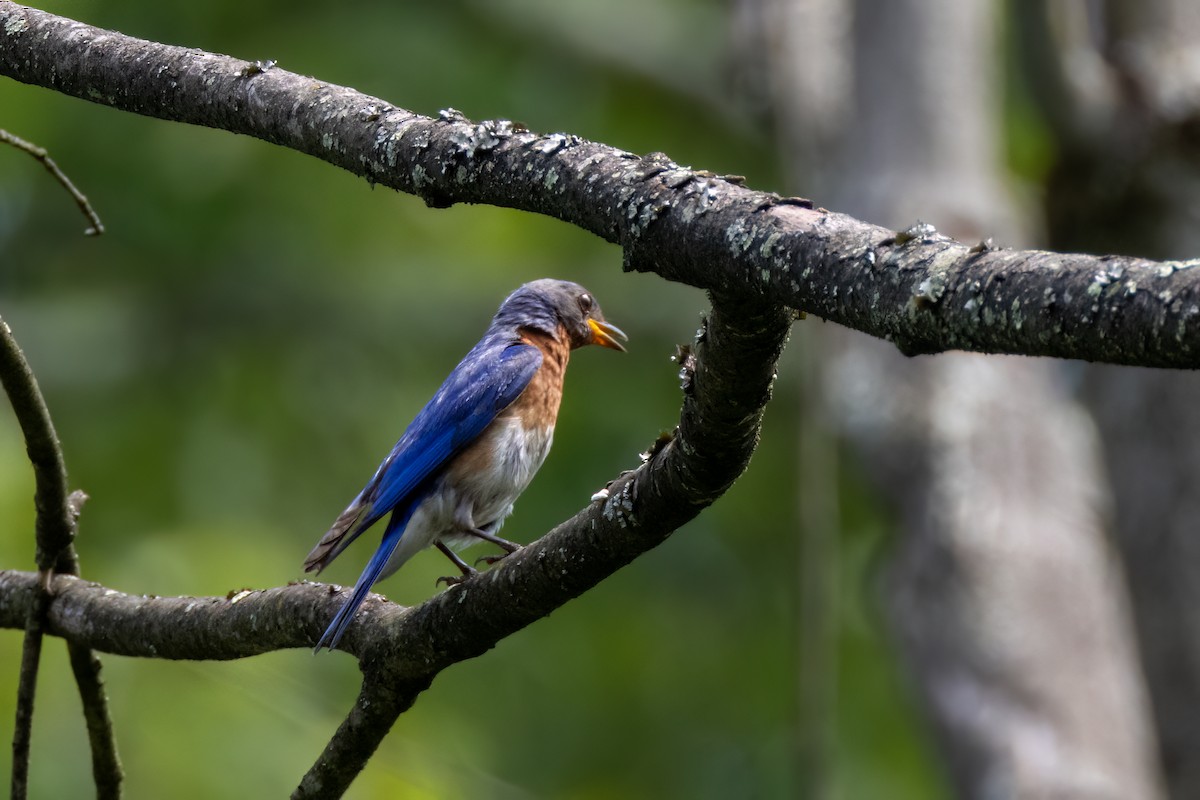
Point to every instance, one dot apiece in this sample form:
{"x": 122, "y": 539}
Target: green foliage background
{"x": 227, "y": 365}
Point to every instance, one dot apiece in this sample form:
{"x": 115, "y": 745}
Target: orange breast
{"x": 537, "y": 406}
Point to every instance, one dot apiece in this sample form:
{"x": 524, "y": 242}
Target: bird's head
{"x": 547, "y": 304}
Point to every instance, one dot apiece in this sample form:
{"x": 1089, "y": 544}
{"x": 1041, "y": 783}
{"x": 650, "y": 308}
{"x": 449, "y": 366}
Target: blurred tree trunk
{"x": 1004, "y": 597}
{"x": 1119, "y": 83}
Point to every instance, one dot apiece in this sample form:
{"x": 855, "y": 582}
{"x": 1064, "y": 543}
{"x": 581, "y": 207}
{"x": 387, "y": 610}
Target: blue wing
{"x": 484, "y": 383}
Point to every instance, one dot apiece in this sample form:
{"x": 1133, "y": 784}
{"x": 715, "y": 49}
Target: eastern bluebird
{"x": 452, "y": 478}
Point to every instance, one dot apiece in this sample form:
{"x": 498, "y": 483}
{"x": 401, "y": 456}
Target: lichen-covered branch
{"x": 920, "y": 290}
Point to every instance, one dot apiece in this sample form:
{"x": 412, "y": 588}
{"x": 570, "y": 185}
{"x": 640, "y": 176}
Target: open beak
{"x": 606, "y": 334}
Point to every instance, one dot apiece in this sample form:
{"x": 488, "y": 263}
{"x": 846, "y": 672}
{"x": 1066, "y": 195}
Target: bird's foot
{"x": 454, "y": 580}
{"x": 467, "y": 570}
{"x": 495, "y": 559}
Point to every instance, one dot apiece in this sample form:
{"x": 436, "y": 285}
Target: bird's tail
{"x": 391, "y": 539}
{"x": 345, "y": 529}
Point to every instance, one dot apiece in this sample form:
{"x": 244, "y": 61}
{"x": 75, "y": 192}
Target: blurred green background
{"x": 228, "y": 363}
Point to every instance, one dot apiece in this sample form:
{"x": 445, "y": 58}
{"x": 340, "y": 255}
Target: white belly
{"x": 476, "y": 492}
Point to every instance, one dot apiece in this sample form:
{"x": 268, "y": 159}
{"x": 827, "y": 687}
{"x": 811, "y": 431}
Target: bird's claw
{"x": 455, "y": 580}
{"x": 495, "y": 559}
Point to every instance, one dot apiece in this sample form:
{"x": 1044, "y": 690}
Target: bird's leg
{"x": 467, "y": 569}
{"x": 508, "y": 547}
{"x": 464, "y": 518}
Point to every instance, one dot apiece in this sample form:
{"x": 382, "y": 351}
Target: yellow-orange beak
{"x": 606, "y": 334}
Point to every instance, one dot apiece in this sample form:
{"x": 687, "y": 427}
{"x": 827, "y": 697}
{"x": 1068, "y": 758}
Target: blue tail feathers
{"x": 345, "y": 615}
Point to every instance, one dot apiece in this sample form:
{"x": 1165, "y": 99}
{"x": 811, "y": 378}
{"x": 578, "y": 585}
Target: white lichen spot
{"x": 390, "y": 153}
{"x": 551, "y": 143}
{"x": 551, "y": 178}
{"x": 930, "y": 290}
{"x": 737, "y": 236}
{"x": 619, "y": 507}
{"x": 1015, "y": 315}
{"x": 420, "y": 177}
{"x": 769, "y": 244}
{"x": 765, "y": 275}
{"x": 1131, "y": 288}
{"x": 16, "y": 25}
{"x": 1166, "y": 268}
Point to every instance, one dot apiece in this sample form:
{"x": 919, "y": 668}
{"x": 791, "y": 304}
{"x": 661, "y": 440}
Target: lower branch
{"x": 727, "y": 378}
{"x": 381, "y": 701}
{"x": 106, "y": 762}
{"x": 31, "y": 656}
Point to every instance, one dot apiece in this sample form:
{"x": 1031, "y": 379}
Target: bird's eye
{"x": 585, "y": 302}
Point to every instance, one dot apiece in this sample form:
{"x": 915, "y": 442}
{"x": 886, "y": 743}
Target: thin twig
{"x": 97, "y": 227}
{"x": 106, "y": 762}
{"x": 55, "y": 526}
{"x": 31, "y": 655}
{"x": 85, "y": 664}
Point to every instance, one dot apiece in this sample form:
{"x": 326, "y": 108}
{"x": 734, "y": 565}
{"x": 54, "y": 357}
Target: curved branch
{"x": 718, "y": 431}
{"x": 920, "y": 290}
{"x": 96, "y": 227}
{"x": 55, "y": 527}
{"x": 55, "y": 523}
{"x": 727, "y": 382}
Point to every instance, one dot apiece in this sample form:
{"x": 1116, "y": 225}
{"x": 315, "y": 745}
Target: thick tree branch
{"x": 920, "y": 290}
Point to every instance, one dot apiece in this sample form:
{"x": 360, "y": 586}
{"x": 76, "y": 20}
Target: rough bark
{"x": 917, "y": 289}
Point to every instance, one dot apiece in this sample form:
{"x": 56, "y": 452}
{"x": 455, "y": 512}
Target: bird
{"x": 452, "y": 478}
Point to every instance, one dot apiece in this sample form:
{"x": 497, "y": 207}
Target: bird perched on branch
{"x": 452, "y": 478}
